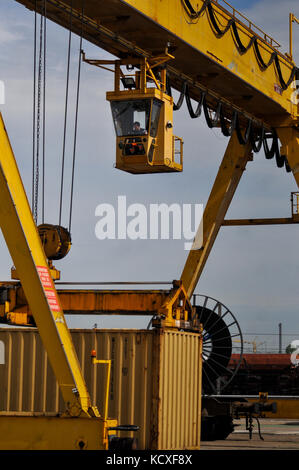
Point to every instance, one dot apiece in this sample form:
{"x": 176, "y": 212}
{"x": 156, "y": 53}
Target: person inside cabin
{"x": 137, "y": 130}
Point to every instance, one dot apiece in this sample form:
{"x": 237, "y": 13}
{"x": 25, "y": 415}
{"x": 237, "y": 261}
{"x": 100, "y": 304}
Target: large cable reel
{"x": 220, "y": 331}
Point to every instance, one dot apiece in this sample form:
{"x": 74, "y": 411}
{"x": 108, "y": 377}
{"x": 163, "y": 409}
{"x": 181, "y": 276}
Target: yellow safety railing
{"x": 108, "y": 363}
{"x": 295, "y": 203}
{"x": 293, "y": 19}
{"x": 247, "y": 23}
{"x": 178, "y": 149}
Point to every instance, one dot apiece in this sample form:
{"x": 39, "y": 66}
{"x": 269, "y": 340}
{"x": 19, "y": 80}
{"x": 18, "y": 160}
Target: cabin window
{"x": 156, "y": 108}
{"x": 131, "y": 117}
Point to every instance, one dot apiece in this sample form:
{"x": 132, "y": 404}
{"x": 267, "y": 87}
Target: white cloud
{"x": 8, "y": 34}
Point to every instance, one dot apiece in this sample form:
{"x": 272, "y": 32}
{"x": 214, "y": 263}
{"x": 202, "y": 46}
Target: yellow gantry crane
{"x": 253, "y": 343}
{"x": 213, "y": 55}
{"x": 241, "y": 82}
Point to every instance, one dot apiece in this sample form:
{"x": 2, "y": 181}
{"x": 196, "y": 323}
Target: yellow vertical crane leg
{"x": 226, "y": 182}
{"x": 26, "y": 250}
{"x": 289, "y": 138}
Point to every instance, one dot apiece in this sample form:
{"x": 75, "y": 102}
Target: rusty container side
{"x": 27, "y": 382}
{"x": 178, "y": 384}
{"x": 155, "y": 380}
{"x": 130, "y": 352}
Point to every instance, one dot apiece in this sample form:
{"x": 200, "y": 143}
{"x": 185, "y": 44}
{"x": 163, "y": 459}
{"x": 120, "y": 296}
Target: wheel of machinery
{"x": 221, "y": 336}
{"x": 216, "y": 428}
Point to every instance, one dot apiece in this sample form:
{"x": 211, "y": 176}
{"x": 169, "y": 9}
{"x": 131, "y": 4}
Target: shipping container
{"x": 271, "y": 373}
{"x": 155, "y": 380}
{"x": 264, "y": 361}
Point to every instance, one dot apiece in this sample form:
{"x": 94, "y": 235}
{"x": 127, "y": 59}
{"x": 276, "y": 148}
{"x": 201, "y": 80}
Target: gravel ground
{"x": 277, "y": 435}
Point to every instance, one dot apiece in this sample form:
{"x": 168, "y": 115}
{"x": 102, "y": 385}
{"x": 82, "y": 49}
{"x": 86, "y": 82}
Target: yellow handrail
{"x": 250, "y": 25}
{"x": 293, "y": 19}
{"x": 107, "y": 362}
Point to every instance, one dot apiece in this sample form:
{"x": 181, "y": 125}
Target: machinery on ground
{"x": 241, "y": 82}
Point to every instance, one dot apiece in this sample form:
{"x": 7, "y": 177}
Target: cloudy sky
{"x": 254, "y": 270}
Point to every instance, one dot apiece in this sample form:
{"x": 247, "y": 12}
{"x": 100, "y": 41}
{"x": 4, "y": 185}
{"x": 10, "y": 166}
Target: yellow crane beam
{"x": 201, "y": 57}
{"x": 269, "y": 221}
{"x": 15, "y": 309}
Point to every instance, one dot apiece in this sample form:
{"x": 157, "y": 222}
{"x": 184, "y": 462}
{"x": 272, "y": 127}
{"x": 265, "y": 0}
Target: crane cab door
{"x": 144, "y": 134}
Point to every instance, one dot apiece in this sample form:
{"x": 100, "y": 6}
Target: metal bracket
{"x": 144, "y": 65}
{"x": 176, "y": 311}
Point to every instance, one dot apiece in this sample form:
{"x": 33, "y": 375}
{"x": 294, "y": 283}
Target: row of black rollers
{"x": 258, "y": 137}
{"x": 253, "y": 42}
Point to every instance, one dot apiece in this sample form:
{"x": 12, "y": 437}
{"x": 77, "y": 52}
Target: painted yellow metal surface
{"x": 178, "y": 391}
{"x": 200, "y": 57}
{"x": 106, "y": 362}
{"x": 159, "y": 154}
{"x": 153, "y": 150}
{"x": 287, "y": 408}
{"x": 198, "y": 34}
{"x": 43, "y": 432}
{"x": 289, "y": 137}
{"x": 176, "y": 311}
{"x": 15, "y": 308}
{"x": 25, "y": 247}
{"x": 229, "y": 174}
{"x": 112, "y": 302}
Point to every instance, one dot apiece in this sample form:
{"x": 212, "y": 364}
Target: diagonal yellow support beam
{"x": 289, "y": 138}
{"x": 230, "y": 172}
{"x": 26, "y": 250}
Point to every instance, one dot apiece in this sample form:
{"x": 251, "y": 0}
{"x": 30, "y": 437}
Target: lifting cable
{"x": 39, "y": 107}
{"x": 34, "y": 108}
{"x": 257, "y": 136}
{"x": 39, "y": 103}
{"x": 37, "y": 118}
{"x": 44, "y": 111}
{"x": 232, "y": 24}
{"x": 76, "y": 118}
{"x": 65, "y": 112}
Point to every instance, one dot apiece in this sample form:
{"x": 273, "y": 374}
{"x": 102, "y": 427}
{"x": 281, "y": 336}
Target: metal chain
{"x": 40, "y": 69}
{"x": 44, "y": 111}
{"x": 34, "y": 107}
{"x": 76, "y": 119}
{"x": 65, "y": 114}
